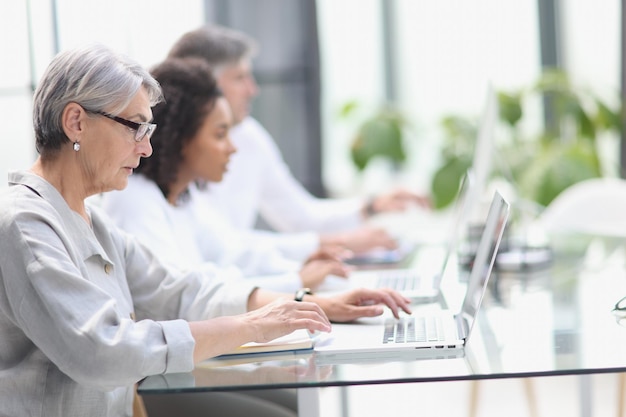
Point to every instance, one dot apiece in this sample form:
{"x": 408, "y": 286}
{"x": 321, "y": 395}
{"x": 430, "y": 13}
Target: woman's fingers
{"x": 390, "y": 298}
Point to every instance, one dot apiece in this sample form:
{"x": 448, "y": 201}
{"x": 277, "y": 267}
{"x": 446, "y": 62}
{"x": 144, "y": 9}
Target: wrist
{"x": 301, "y": 293}
{"x": 329, "y": 241}
{"x": 369, "y": 208}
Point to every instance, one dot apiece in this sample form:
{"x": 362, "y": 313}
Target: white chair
{"x": 596, "y": 207}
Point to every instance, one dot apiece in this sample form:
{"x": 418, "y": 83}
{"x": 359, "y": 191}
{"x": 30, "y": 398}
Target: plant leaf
{"x": 446, "y": 181}
{"x": 378, "y": 137}
{"x": 510, "y": 108}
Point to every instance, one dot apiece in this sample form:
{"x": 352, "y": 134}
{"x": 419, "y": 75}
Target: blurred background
{"x": 343, "y": 82}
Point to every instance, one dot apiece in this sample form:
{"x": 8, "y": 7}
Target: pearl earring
{"x": 76, "y": 146}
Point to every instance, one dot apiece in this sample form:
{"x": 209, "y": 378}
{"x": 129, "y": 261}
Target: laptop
{"x": 517, "y": 252}
{"x": 482, "y": 159}
{"x": 423, "y": 281}
{"x": 431, "y": 330}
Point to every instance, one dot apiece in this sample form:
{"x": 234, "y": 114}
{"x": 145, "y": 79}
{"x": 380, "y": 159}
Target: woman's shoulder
{"x": 24, "y": 211}
{"x": 26, "y": 196}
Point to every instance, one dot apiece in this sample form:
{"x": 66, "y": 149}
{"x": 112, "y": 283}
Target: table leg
{"x": 309, "y": 402}
{"x": 621, "y": 384}
{"x": 585, "y": 395}
{"x": 531, "y": 399}
{"x": 345, "y": 407}
{"x": 473, "y": 398}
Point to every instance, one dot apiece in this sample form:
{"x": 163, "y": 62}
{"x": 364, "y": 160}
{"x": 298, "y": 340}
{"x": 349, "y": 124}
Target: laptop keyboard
{"x": 413, "y": 329}
{"x": 399, "y": 281}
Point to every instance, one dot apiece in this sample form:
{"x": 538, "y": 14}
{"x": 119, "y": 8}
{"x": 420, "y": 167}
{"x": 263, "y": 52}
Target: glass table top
{"x": 556, "y": 320}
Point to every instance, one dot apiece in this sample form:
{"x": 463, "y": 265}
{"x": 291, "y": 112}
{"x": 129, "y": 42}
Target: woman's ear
{"x": 72, "y": 120}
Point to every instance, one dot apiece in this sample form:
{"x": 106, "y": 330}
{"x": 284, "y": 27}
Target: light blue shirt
{"x": 68, "y": 294}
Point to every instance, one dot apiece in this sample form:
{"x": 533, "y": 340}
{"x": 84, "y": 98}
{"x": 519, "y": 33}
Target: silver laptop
{"x": 517, "y": 252}
{"x": 423, "y": 281}
{"x": 482, "y": 159}
{"x": 430, "y": 329}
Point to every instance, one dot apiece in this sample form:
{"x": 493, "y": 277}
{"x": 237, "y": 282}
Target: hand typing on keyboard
{"x": 363, "y": 302}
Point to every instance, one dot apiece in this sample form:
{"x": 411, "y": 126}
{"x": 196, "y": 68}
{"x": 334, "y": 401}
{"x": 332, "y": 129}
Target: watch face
{"x": 301, "y": 293}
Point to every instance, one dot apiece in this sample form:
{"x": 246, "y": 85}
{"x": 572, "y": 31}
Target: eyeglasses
{"x": 141, "y": 129}
{"x": 619, "y": 311}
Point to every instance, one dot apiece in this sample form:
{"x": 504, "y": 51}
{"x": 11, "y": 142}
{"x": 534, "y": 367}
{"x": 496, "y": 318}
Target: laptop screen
{"x": 484, "y": 259}
{"x": 465, "y": 196}
{"x": 482, "y": 160}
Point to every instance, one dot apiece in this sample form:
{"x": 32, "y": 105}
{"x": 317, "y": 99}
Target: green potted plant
{"x": 543, "y": 165}
{"x": 379, "y": 135}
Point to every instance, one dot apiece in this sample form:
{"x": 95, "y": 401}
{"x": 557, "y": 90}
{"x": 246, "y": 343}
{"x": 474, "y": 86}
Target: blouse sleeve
{"x": 67, "y": 293}
{"x": 289, "y": 207}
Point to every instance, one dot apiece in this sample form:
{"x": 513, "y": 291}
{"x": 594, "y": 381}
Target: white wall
{"x": 143, "y": 29}
{"x": 591, "y": 33}
{"x": 351, "y": 56}
{"x": 16, "y": 145}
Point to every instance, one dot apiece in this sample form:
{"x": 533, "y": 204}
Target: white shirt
{"x": 69, "y": 346}
{"x": 193, "y": 234}
{"x": 259, "y": 181}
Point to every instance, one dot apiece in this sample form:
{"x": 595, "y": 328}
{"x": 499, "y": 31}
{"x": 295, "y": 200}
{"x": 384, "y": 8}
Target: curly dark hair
{"x": 190, "y": 93}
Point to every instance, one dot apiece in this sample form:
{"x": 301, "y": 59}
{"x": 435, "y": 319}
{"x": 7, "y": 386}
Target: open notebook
{"x": 297, "y": 340}
{"x": 433, "y": 331}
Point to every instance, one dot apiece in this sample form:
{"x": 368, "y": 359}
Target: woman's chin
{"x": 217, "y": 178}
{"x": 119, "y": 185}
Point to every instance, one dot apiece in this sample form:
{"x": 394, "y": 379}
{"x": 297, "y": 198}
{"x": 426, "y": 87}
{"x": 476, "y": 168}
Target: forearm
{"x": 260, "y": 297}
{"x": 219, "y": 336}
{"x": 263, "y": 323}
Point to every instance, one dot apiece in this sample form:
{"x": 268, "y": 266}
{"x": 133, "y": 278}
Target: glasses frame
{"x": 619, "y": 310}
{"x": 620, "y": 306}
{"x": 137, "y": 127}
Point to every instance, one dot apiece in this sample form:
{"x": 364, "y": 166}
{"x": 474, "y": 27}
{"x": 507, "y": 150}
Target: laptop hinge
{"x": 461, "y": 325}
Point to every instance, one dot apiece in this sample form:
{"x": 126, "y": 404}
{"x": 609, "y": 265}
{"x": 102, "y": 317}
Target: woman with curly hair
{"x": 191, "y": 148}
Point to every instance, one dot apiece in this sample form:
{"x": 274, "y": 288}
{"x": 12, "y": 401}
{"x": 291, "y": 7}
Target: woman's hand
{"x": 274, "y": 319}
{"x": 283, "y": 316}
{"x": 360, "y": 240}
{"x": 329, "y": 252}
{"x": 397, "y": 200}
{"x": 362, "y": 302}
{"x": 314, "y": 272}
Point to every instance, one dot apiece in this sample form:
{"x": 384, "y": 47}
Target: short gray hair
{"x": 94, "y": 77}
{"x": 217, "y": 45}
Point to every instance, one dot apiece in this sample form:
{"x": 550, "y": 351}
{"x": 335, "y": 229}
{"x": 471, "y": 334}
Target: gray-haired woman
{"x": 85, "y": 310}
